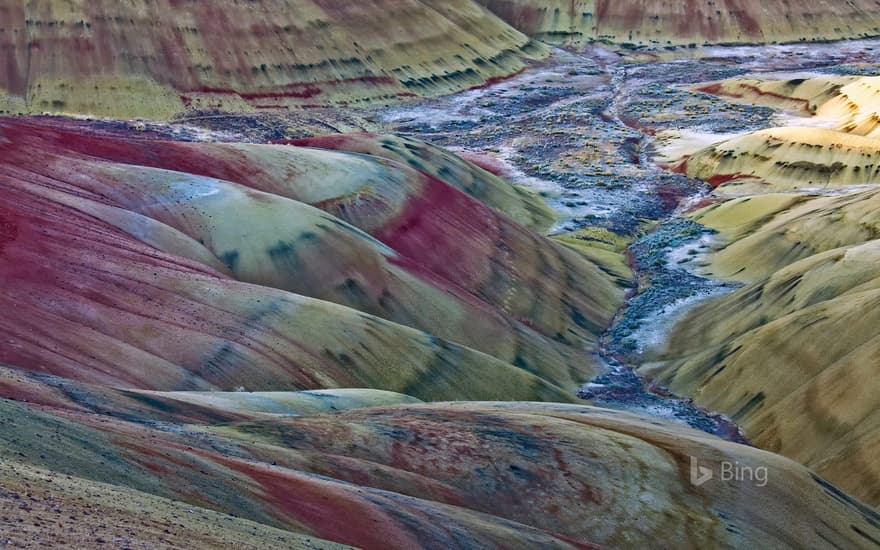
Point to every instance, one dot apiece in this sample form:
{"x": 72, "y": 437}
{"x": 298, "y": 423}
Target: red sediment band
{"x": 696, "y": 21}
{"x": 327, "y": 508}
{"x": 721, "y": 179}
{"x": 496, "y": 80}
{"x": 714, "y": 181}
{"x": 307, "y": 90}
{"x": 336, "y": 142}
{"x": 680, "y": 168}
{"x": 718, "y": 90}
{"x": 433, "y": 228}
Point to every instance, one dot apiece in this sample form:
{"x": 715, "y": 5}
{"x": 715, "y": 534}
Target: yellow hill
{"x": 801, "y": 95}
{"x": 788, "y": 158}
{"x": 158, "y": 59}
{"x": 671, "y": 22}
{"x": 792, "y": 356}
{"x": 767, "y": 232}
{"x": 857, "y": 107}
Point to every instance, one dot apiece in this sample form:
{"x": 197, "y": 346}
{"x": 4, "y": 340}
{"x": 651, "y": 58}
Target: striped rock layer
{"x": 462, "y": 475}
{"x": 211, "y": 266}
{"x": 800, "y": 95}
{"x": 789, "y": 158}
{"x": 792, "y": 356}
{"x": 838, "y": 149}
{"x": 647, "y": 22}
{"x": 156, "y": 59}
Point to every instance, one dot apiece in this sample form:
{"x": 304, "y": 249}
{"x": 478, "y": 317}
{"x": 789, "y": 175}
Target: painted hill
{"x": 160, "y": 59}
{"x": 669, "y": 22}
{"x": 793, "y": 355}
{"x": 837, "y": 147}
{"x": 518, "y": 203}
{"x": 799, "y": 95}
{"x": 440, "y": 475}
{"x": 848, "y": 104}
{"x": 157, "y": 59}
{"x": 389, "y": 278}
{"x": 106, "y": 516}
{"x": 786, "y": 159}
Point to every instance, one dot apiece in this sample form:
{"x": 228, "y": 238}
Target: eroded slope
{"x": 300, "y": 269}
{"x": 837, "y": 148}
{"x": 158, "y": 59}
{"x": 670, "y": 22}
{"x": 793, "y": 356}
{"x": 787, "y": 158}
{"x": 463, "y": 474}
